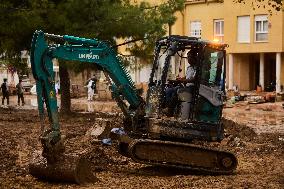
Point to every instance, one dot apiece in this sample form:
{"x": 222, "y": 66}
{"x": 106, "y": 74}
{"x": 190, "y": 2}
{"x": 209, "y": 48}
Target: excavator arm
{"x": 75, "y": 49}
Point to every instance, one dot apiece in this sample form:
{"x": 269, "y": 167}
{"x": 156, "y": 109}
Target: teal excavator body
{"x": 153, "y": 135}
{"x": 75, "y": 49}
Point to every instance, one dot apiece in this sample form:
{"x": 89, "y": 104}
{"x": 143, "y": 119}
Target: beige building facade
{"x": 255, "y": 39}
{"x": 255, "y": 36}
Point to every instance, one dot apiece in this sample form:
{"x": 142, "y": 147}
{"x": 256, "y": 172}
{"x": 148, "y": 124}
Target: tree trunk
{"x": 65, "y": 89}
{"x": 170, "y": 29}
{"x": 88, "y": 73}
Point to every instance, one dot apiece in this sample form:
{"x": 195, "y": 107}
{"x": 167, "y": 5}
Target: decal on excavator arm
{"x": 52, "y": 94}
{"x": 89, "y": 56}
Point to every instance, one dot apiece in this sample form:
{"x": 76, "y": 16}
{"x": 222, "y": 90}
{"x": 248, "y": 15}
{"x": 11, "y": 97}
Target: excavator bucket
{"x": 69, "y": 168}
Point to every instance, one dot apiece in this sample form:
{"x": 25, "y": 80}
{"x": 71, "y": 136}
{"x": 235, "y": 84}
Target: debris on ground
{"x": 234, "y": 97}
{"x": 255, "y": 99}
{"x": 107, "y": 141}
{"x": 260, "y": 154}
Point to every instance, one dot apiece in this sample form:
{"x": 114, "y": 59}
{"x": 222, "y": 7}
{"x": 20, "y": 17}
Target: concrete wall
{"x": 275, "y": 31}
{"x": 246, "y": 55}
{"x": 242, "y": 71}
{"x": 205, "y": 13}
{"x": 141, "y": 74}
{"x": 282, "y": 69}
{"x": 282, "y": 33}
{"x": 80, "y": 78}
{"x": 178, "y": 28}
{"x": 13, "y": 80}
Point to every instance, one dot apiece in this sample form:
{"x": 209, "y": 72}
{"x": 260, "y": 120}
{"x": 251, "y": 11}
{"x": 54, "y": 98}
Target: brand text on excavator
{"x": 89, "y": 56}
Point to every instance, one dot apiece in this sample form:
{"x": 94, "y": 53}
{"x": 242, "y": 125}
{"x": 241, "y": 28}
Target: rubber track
{"x": 134, "y": 145}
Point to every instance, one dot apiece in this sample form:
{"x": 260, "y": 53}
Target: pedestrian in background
{"x": 20, "y": 93}
{"x": 91, "y": 85}
{"x": 57, "y": 87}
{"x": 91, "y": 90}
{"x": 5, "y": 91}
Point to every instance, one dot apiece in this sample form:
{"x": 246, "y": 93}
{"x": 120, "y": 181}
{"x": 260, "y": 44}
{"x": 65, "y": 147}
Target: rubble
{"x": 234, "y": 97}
{"x": 256, "y": 136}
{"x": 255, "y": 99}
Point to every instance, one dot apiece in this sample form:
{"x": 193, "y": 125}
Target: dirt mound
{"x": 260, "y": 156}
{"x": 238, "y": 130}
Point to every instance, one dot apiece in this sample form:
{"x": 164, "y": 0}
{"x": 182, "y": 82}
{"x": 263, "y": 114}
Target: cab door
{"x": 209, "y": 98}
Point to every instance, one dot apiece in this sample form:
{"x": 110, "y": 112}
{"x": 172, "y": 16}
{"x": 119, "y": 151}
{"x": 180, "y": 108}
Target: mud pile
{"x": 260, "y": 156}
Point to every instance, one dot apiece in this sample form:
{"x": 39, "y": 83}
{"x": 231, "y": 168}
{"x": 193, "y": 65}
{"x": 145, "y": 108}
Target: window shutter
{"x": 243, "y": 29}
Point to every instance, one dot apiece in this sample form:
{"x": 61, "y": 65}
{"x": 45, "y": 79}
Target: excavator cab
{"x": 195, "y": 105}
{"x": 167, "y": 139}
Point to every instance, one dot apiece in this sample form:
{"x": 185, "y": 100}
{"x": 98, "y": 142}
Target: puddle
{"x": 87, "y": 107}
{"x": 81, "y": 105}
{"x": 84, "y": 107}
{"x": 31, "y": 103}
{"x": 96, "y": 106}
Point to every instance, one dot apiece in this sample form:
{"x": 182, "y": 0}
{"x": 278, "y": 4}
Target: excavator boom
{"x": 74, "y": 49}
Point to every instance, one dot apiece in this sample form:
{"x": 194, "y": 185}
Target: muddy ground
{"x": 260, "y": 156}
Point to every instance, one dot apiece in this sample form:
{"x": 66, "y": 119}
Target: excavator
{"x": 156, "y": 133}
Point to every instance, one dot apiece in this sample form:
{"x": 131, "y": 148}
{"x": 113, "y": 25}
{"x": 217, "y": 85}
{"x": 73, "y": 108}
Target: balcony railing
{"x": 202, "y": 1}
{"x": 195, "y": 1}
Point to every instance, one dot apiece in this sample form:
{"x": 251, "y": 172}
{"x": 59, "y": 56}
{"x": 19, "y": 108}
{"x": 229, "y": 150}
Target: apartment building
{"x": 255, "y": 39}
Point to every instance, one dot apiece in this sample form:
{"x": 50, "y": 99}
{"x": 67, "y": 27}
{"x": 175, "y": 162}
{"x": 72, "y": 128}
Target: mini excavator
{"x": 153, "y": 135}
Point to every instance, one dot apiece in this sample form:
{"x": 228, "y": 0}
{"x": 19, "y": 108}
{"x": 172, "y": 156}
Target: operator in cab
{"x": 191, "y": 69}
{"x": 176, "y": 88}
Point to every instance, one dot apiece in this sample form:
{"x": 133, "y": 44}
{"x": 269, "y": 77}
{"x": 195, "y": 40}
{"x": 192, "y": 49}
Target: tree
{"x": 274, "y": 4}
{"x": 102, "y": 19}
{"x": 16, "y": 30}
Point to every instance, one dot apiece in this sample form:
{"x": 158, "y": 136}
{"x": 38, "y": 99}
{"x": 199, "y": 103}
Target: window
{"x": 243, "y": 29}
{"x": 212, "y": 67}
{"x": 195, "y": 29}
{"x": 219, "y": 30}
{"x": 261, "y": 28}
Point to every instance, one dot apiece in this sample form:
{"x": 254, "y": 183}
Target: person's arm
{"x": 191, "y": 80}
{"x": 184, "y": 80}
{"x": 190, "y": 74}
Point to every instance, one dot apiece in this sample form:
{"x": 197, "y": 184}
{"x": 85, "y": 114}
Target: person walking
{"x": 91, "y": 90}
{"x": 5, "y": 91}
{"x": 57, "y": 87}
{"x": 94, "y": 86}
{"x": 20, "y": 93}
